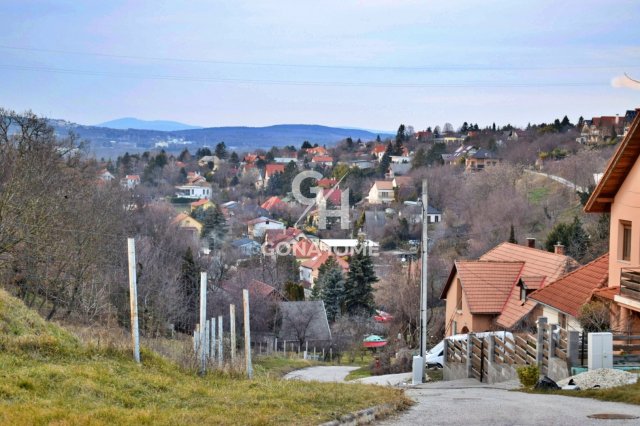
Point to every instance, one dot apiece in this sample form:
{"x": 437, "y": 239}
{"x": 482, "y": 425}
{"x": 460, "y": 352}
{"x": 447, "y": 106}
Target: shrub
{"x": 528, "y": 375}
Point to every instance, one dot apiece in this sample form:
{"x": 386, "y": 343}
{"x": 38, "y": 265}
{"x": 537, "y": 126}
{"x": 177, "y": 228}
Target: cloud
{"x": 624, "y": 81}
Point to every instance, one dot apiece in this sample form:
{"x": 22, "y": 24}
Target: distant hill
{"x": 135, "y": 123}
{"x": 110, "y": 142}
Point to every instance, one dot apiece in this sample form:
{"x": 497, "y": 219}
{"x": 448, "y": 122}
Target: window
{"x": 562, "y": 319}
{"x": 523, "y": 294}
{"x": 626, "y": 241}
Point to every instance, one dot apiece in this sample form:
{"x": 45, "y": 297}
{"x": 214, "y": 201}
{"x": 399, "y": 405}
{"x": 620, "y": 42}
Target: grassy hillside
{"x": 48, "y": 376}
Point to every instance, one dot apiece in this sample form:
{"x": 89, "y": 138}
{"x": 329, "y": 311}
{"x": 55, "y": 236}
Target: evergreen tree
{"x": 189, "y": 288}
{"x": 572, "y": 236}
{"x": 401, "y": 136}
{"x": 512, "y": 235}
{"x": 306, "y": 145}
{"x": 293, "y": 292}
{"x": 331, "y": 288}
{"x": 203, "y": 152}
{"x": 234, "y": 159}
{"x": 221, "y": 151}
{"x": 184, "y": 155}
{"x": 419, "y": 159}
{"x": 358, "y": 290}
{"x": 378, "y": 139}
{"x": 214, "y": 227}
{"x": 385, "y": 161}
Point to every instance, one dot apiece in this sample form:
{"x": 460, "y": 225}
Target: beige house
{"x": 382, "y": 192}
{"x": 493, "y": 292}
{"x": 618, "y": 193}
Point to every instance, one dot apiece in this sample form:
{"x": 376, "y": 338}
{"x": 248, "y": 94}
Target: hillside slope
{"x": 48, "y": 376}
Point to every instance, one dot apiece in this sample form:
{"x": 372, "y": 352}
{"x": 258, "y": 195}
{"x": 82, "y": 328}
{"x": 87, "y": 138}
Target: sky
{"x": 359, "y": 63}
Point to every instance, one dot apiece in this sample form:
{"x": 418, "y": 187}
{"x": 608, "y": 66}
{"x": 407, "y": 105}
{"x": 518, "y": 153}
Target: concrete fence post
{"x": 445, "y": 352}
{"x": 552, "y": 342}
{"x": 469, "y": 355}
{"x": 573, "y": 346}
{"x": 542, "y": 322}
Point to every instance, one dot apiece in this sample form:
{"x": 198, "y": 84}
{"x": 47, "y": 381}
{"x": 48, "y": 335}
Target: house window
{"x": 626, "y": 241}
{"x": 562, "y": 319}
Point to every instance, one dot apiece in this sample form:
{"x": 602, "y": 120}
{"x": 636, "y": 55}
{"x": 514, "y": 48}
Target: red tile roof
{"x": 607, "y": 293}
{"x": 200, "y": 202}
{"x": 327, "y": 182}
{"x": 322, "y": 159}
{"x": 487, "y": 285}
{"x": 385, "y": 185}
{"x": 275, "y": 236}
{"x": 575, "y": 289}
{"x": 333, "y": 195}
{"x": 305, "y": 249}
{"x": 319, "y": 260}
{"x": 271, "y": 169}
{"x": 262, "y": 289}
{"x": 273, "y": 203}
{"x": 379, "y": 149}
{"x": 318, "y": 150}
{"x": 537, "y": 262}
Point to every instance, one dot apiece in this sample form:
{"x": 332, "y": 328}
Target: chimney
{"x": 558, "y": 248}
{"x": 531, "y": 242}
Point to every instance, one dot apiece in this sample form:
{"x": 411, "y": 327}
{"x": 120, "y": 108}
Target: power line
{"x": 204, "y": 79}
{"x": 445, "y": 67}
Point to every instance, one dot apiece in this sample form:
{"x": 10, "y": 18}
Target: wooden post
{"x": 469, "y": 354}
{"x": 133, "y": 299}
{"x": 232, "y": 330}
{"x": 247, "y": 333}
{"x": 220, "y": 343}
{"x": 203, "y": 319}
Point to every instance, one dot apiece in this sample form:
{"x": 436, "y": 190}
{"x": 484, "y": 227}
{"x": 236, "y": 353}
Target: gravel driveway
{"x": 468, "y": 402}
{"x": 332, "y": 373}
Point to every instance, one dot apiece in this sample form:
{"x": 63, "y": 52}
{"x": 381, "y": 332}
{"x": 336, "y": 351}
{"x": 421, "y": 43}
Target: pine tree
{"x": 358, "y": 290}
{"x": 234, "y": 159}
{"x": 385, "y": 161}
{"x": 400, "y": 138}
{"x": 215, "y": 227}
{"x": 332, "y": 292}
{"x": 221, "y": 151}
{"x": 189, "y": 288}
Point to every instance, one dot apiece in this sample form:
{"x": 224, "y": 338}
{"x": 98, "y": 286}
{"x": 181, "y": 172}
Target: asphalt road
{"x": 467, "y": 402}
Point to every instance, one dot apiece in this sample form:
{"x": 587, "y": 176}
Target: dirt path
{"x": 331, "y": 373}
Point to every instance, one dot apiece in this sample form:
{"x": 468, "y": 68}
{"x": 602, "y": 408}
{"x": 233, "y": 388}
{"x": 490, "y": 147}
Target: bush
{"x": 528, "y": 375}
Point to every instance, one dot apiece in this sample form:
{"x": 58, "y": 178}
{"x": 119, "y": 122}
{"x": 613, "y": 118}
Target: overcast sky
{"x": 361, "y": 63}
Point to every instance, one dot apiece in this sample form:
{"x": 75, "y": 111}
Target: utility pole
{"x": 203, "y": 320}
{"x": 419, "y": 361}
{"x": 423, "y": 276}
{"x": 133, "y": 299}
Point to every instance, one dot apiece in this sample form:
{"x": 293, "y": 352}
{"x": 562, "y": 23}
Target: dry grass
{"x": 47, "y": 376}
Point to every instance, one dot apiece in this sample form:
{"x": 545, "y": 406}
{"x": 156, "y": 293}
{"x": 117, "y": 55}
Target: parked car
{"x": 435, "y": 356}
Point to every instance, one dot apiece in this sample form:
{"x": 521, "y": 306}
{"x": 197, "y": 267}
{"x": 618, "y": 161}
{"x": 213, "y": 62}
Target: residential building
{"x": 617, "y": 194}
{"x": 484, "y": 294}
{"x": 209, "y": 160}
{"x": 273, "y": 204}
{"x": 318, "y": 150}
{"x": 345, "y": 246}
{"x": 257, "y": 227}
{"x": 379, "y": 150}
{"x": 381, "y": 192}
{"x": 310, "y": 269}
{"x": 562, "y": 299}
{"x": 204, "y": 204}
{"x": 130, "y": 181}
{"x": 105, "y": 176}
{"x": 322, "y": 160}
{"x": 194, "y": 192}
{"x": 246, "y": 246}
{"x": 189, "y": 225}
{"x": 480, "y": 160}
{"x": 270, "y": 170}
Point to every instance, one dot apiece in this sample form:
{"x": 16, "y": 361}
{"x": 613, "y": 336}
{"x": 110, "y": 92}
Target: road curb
{"x": 365, "y": 416}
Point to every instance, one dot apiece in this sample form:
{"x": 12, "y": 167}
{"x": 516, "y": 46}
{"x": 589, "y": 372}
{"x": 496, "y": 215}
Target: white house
{"x": 381, "y": 192}
{"x": 258, "y": 227}
{"x": 204, "y": 161}
{"x": 130, "y": 181}
{"x": 195, "y": 192}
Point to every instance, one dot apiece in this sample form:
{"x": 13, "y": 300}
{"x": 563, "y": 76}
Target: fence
{"x": 493, "y": 357}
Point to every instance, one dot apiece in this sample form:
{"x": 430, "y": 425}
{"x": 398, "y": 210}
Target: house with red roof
{"x": 322, "y": 160}
{"x": 617, "y": 194}
{"x": 310, "y": 269}
{"x": 202, "y": 203}
{"x": 270, "y": 170}
{"x": 304, "y": 249}
{"x": 327, "y": 183}
{"x": 381, "y": 192}
{"x": 333, "y": 196}
{"x": 318, "y": 150}
{"x": 273, "y": 203}
{"x": 485, "y": 294}
{"x": 562, "y": 299}
{"x": 379, "y": 150}
{"x": 288, "y": 236}
{"x": 130, "y": 181}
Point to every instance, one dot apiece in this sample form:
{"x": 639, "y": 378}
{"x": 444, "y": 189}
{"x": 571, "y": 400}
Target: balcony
{"x": 630, "y": 283}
